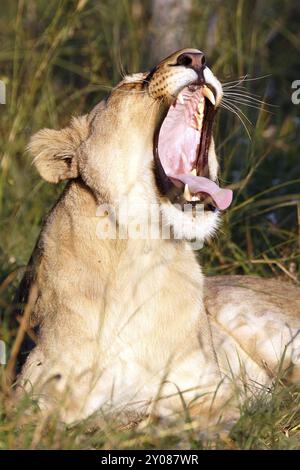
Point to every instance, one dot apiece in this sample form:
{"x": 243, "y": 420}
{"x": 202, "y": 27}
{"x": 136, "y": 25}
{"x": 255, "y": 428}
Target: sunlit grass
{"x": 269, "y": 420}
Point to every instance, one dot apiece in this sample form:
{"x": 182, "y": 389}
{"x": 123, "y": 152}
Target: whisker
{"x": 239, "y": 89}
{"x": 248, "y": 97}
{"x": 227, "y": 87}
{"x": 229, "y": 108}
{"x": 244, "y": 79}
{"x": 249, "y": 104}
{"x": 245, "y": 96}
{"x": 120, "y": 65}
{"x": 235, "y": 82}
{"x": 239, "y": 110}
{"x": 259, "y": 104}
{"x": 242, "y": 92}
{"x": 240, "y": 118}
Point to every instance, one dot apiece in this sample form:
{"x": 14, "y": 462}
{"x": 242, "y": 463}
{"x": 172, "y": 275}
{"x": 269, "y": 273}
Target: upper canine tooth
{"x": 180, "y": 98}
{"x": 187, "y": 194}
{"x": 193, "y": 172}
{"x": 209, "y": 95}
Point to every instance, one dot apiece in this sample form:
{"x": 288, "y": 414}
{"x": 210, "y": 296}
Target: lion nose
{"x": 194, "y": 60}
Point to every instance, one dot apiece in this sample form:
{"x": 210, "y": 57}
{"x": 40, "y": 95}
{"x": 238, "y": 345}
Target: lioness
{"x": 124, "y": 319}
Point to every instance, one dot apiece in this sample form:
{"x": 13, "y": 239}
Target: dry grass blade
{"x": 24, "y": 324}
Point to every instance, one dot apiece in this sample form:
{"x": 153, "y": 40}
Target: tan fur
{"x": 263, "y": 318}
{"x": 122, "y": 322}
{"x": 55, "y": 150}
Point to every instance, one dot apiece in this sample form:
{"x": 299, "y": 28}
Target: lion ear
{"x": 56, "y": 152}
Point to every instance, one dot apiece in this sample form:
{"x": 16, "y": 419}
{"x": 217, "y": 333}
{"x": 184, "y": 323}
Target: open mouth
{"x": 181, "y": 151}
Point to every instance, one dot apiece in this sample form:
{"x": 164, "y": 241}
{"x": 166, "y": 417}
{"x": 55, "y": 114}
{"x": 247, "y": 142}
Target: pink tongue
{"x": 199, "y": 184}
{"x": 178, "y": 146}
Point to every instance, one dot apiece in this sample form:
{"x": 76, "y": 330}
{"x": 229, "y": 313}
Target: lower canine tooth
{"x": 180, "y": 98}
{"x": 187, "y": 194}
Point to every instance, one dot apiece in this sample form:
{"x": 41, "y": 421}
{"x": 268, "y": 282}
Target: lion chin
{"x": 125, "y": 322}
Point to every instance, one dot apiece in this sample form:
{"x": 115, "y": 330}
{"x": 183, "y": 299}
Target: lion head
{"x": 149, "y": 142}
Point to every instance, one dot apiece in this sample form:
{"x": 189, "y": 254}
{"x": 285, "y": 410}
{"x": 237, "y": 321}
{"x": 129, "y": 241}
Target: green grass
{"x": 57, "y": 58}
{"x": 269, "y": 420}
